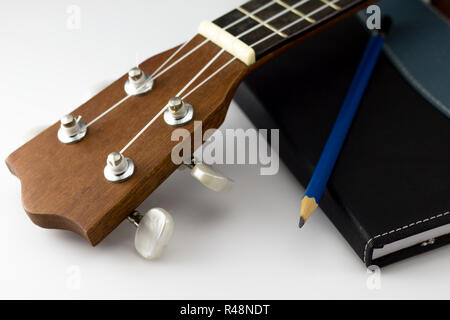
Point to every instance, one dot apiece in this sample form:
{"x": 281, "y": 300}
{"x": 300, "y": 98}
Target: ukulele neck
{"x": 264, "y": 26}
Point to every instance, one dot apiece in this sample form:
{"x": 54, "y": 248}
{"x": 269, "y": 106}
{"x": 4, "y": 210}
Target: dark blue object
{"x": 344, "y": 119}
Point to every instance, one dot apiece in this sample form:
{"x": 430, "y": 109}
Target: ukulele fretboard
{"x": 266, "y": 25}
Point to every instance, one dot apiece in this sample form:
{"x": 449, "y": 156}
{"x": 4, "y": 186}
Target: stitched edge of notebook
{"x": 401, "y": 228}
{"x": 402, "y": 68}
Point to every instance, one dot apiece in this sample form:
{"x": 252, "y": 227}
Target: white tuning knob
{"x": 211, "y": 178}
{"x": 33, "y": 132}
{"x": 154, "y": 230}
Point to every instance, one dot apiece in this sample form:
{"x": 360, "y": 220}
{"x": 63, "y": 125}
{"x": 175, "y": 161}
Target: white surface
{"x": 245, "y": 244}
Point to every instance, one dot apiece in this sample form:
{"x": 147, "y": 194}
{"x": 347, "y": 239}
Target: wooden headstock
{"x": 63, "y": 186}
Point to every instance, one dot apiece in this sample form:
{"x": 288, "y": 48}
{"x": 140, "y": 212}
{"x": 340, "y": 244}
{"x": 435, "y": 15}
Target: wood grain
{"x": 63, "y": 186}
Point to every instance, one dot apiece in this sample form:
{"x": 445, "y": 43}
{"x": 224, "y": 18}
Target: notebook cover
{"x": 392, "y": 178}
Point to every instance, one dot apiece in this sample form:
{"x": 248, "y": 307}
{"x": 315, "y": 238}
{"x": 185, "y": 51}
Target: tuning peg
{"x": 178, "y": 112}
{"x": 210, "y": 178}
{"x": 118, "y": 168}
{"x": 72, "y": 129}
{"x": 154, "y": 230}
{"x": 138, "y": 82}
{"x": 33, "y": 132}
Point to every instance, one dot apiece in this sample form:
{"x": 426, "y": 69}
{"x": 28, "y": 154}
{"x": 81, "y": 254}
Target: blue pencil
{"x": 340, "y": 129}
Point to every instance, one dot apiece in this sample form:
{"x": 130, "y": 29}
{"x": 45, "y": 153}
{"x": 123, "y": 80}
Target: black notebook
{"x": 389, "y": 194}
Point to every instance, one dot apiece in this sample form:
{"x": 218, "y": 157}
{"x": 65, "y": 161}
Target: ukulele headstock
{"x": 88, "y": 174}
{"x": 64, "y": 185}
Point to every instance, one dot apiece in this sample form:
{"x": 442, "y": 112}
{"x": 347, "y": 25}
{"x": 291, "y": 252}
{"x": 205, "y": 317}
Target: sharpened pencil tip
{"x": 301, "y": 223}
{"x": 308, "y": 207}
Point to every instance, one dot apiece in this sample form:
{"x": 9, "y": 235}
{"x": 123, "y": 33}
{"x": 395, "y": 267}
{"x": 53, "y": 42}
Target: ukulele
{"x": 92, "y": 169}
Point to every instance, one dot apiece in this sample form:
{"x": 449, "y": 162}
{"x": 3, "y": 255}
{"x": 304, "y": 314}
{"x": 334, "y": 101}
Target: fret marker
{"x": 332, "y": 5}
{"x": 297, "y": 12}
{"x": 260, "y": 21}
{"x": 228, "y": 42}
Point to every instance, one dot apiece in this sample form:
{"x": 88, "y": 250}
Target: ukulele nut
{"x": 138, "y": 82}
{"x": 72, "y": 129}
{"x": 178, "y": 112}
{"x": 118, "y": 168}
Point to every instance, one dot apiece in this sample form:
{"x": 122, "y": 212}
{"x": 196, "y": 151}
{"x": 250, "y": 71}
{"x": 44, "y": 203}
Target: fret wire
{"x": 253, "y": 12}
{"x": 294, "y": 23}
{"x": 315, "y": 9}
{"x": 236, "y": 22}
{"x": 169, "y": 67}
{"x": 270, "y": 3}
{"x": 332, "y": 5}
{"x": 252, "y": 45}
{"x": 297, "y": 12}
{"x": 218, "y": 70}
{"x": 261, "y": 22}
{"x": 272, "y": 18}
{"x": 207, "y": 40}
{"x": 253, "y": 4}
{"x": 192, "y": 80}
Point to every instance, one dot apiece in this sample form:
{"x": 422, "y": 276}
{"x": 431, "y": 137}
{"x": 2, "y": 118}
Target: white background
{"x": 242, "y": 245}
